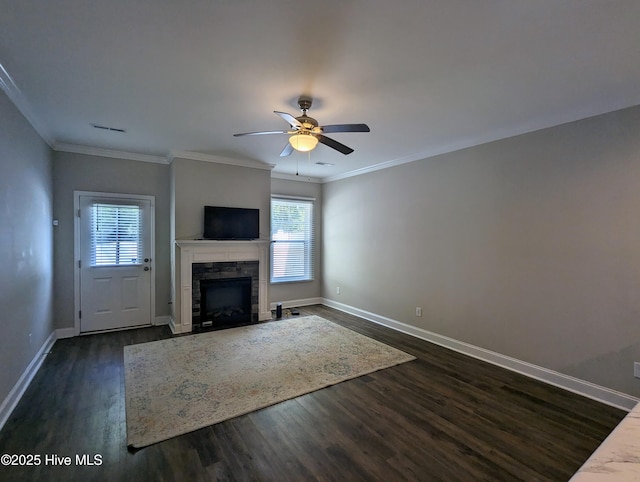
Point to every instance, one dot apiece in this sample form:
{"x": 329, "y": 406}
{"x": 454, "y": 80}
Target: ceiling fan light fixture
{"x": 305, "y": 133}
{"x": 303, "y": 142}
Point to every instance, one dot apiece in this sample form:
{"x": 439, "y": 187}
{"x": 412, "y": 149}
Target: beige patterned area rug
{"x": 181, "y": 384}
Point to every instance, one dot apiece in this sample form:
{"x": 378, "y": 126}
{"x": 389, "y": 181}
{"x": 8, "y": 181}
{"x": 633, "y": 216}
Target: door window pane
{"x": 116, "y": 236}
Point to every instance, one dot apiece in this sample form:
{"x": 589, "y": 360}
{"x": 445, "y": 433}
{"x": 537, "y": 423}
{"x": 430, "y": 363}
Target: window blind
{"x": 116, "y": 234}
{"x": 292, "y": 236}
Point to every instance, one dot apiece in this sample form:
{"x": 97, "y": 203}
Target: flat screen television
{"x": 224, "y": 223}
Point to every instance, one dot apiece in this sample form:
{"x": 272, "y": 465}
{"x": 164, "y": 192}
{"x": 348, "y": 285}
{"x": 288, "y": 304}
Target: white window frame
{"x": 115, "y": 242}
{"x": 309, "y": 243}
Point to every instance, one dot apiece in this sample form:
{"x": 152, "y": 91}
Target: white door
{"x": 115, "y": 262}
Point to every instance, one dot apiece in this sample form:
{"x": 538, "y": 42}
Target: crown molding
{"x": 20, "y": 101}
{"x": 97, "y": 151}
{"x": 199, "y": 156}
{"x": 295, "y": 177}
{"x": 496, "y": 135}
{"x": 464, "y": 144}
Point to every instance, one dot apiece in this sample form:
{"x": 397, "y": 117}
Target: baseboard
{"x": 295, "y": 303}
{"x": 590, "y": 390}
{"x": 71, "y": 332}
{"x": 65, "y": 333}
{"x": 11, "y": 401}
{"x": 162, "y": 320}
{"x": 172, "y": 325}
{"x": 177, "y": 329}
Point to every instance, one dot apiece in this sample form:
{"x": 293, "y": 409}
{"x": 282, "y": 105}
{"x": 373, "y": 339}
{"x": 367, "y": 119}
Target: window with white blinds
{"x": 292, "y": 240}
{"x": 116, "y": 234}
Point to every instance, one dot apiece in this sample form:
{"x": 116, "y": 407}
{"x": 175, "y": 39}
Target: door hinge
{"x": 78, "y": 213}
{"x": 80, "y": 314}
{"x": 79, "y": 263}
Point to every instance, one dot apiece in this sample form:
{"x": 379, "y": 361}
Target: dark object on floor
{"x": 294, "y": 312}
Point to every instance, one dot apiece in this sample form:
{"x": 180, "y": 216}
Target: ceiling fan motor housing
{"x": 304, "y": 103}
{"x": 307, "y": 122}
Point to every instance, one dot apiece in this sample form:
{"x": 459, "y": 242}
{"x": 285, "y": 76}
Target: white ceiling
{"x": 427, "y": 76}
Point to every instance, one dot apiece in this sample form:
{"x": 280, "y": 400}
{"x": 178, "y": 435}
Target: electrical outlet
{"x": 337, "y": 290}
{"x": 418, "y": 311}
{"x": 636, "y": 369}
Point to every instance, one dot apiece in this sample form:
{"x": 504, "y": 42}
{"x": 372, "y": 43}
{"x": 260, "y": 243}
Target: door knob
{"x": 146, "y": 268}
{"x": 146, "y": 260}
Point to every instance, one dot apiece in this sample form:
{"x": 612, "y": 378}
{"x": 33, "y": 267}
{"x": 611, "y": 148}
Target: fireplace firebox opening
{"x": 225, "y": 302}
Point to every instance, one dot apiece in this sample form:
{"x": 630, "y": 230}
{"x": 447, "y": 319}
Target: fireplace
{"x": 198, "y": 260}
{"x": 225, "y": 302}
{"x": 224, "y": 294}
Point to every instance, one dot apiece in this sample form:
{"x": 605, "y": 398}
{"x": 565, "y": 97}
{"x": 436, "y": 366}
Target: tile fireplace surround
{"x": 189, "y": 252}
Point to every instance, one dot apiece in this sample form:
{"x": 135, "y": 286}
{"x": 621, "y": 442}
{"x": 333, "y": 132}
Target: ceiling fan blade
{"x": 288, "y": 149}
{"x": 345, "y": 128}
{"x": 293, "y": 122}
{"x": 260, "y": 133}
{"x": 334, "y": 144}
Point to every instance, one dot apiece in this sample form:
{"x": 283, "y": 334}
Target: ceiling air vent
{"x": 106, "y": 128}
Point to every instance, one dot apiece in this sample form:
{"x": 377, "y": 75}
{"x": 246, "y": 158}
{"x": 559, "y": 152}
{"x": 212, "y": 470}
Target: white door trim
{"x": 76, "y": 249}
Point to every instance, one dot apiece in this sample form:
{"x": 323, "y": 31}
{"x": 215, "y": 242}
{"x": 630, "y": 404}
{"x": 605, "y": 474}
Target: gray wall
{"x": 26, "y": 244}
{"x": 529, "y": 246}
{"x": 80, "y": 172}
{"x": 198, "y": 183}
{"x": 195, "y": 184}
{"x": 309, "y": 289}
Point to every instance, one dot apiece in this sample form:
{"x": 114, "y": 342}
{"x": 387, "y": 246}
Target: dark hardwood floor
{"x": 443, "y": 416}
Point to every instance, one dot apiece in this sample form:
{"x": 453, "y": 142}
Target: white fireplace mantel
{"x": 190, "y": 251}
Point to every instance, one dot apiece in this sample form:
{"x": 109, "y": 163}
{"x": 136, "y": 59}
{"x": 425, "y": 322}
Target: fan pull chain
{"x": 308, "y": 165}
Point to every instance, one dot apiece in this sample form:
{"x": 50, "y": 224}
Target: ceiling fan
{"x": 305, "y": 133}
